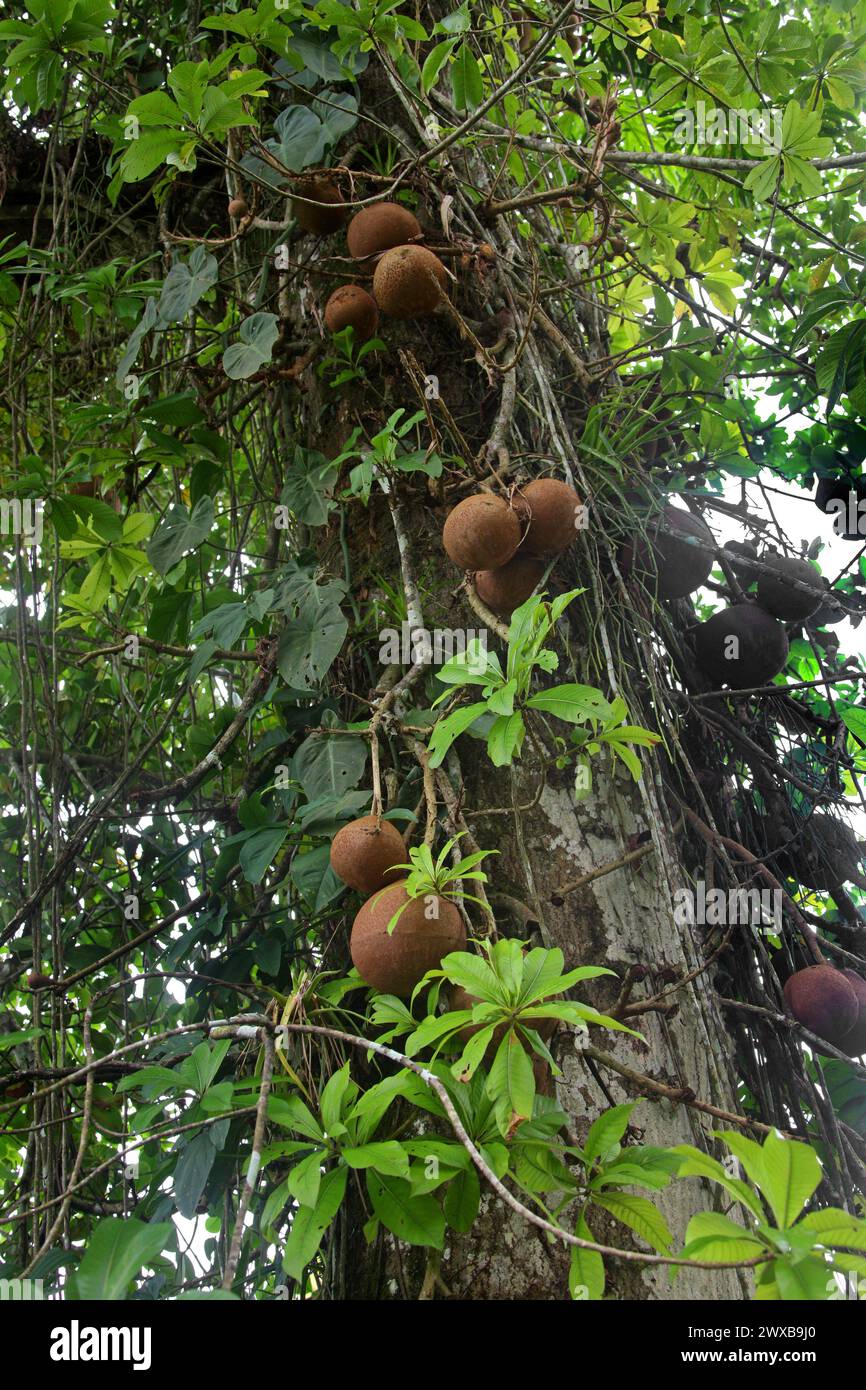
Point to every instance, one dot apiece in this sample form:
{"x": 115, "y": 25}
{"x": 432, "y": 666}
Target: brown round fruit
{"x": 823, "y": 1000}
{"x": 409, "y": 282}
{"x": 741, "y": 646}
{"x": 364, "y": 854}
{"x": 507, "y": 588}
{"x": 380, "y": 227}
{"x": 776, "y": 595}
{"x": 326, "y": 213}
{"x": 238, "y": 207}
{"x": 854, "y": 1042}
{"x": 481, "y": 533}
{"x": 671, "y": 565}
{"x": 352, "y": 305}
{"x": 427, "y": 930}
{"x": 551, "y": 512}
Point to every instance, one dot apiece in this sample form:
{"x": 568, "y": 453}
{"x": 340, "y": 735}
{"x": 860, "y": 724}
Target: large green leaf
{"x": 185, "y": 284}
{"x": 417, "y": 1220}
{"x": 257, "y": 336}
{"x": 178, "y": 532}
{"x": 117, "y": 1249}
{"x": 312, "y": 636}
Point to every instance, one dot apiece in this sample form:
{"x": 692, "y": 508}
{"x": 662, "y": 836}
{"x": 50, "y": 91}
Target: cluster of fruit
{"x": 830, "y": 1003}
{"x": 369, "y": 855}
{"x": 509, "y": 544}
{"x": 745, "y": 644}
{"x": 408, "y": 281}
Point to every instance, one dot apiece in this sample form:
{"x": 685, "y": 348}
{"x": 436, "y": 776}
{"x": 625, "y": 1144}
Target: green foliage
{"x": 507, "y": 699}
{"x": 214, "y": 535}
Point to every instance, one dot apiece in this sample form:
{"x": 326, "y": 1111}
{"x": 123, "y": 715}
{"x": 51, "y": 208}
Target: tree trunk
{"x": 621, "y": 919}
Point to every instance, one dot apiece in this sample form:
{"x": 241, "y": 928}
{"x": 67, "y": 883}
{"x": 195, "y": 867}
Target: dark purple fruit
{"x": 854, "y": 1043}
{"x": 824, "y": 1001}
{"x": 671, "y": 565}
{"x": 776, "y": 593}
{"x": 741, "y": 646}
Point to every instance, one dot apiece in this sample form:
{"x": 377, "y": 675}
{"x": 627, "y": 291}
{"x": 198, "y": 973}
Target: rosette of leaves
{"x": 427, "y": 877}
{"x": 507, "y": 702}
{"x": 517, "y": 989}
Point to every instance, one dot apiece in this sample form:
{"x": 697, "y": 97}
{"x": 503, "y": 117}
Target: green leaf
{"x": 434, "y": 63}
{"x": 511, "y": 1084}
{"x": 607, "y": 1130}
{"x": 329, "y": 764}
{"x": 467, "y": 87}
{"x": 185, "y": 284}
{"x": 573, "y": 703}
{"x": 803, "y": 1281}
{"x": 505, "y": 738}
{"x": 696, "y": 1163}
{"x": 257, "y": 335}
{"x": 462, "y": 1199}
{"x": 785, "y": 1171}
{"x": 178, "y": 532}
{"x": 336, "y": 1093}
{"x": 386, "y": 1157}
{"x": 116, "y": 1250}
{"x": 832, "y": 1227}
{"x": 639, "y": 1215}
{"x": 292, "y": 1113}
{"x": 305, "y": 1179}
{"x": 417, "y": 1220}
{"x": 310, "y": 641}
{"x": 149, "y": 151}
{"x": 192, "y": 1170}
{"x": 309, "y": 485}
{"x": 586, "y": 1271}
{"x": 310, "y": 1223}
{"x": 450, "y": 728}
{"x": 259, "y": 851}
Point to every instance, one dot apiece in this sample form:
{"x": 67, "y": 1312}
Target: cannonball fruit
{"x": 741, "y": 646}
{"x": 550, "y": 509}
{"x": 238, "y": 207}
{"x": 748, "y": 550}
{"x": 776, "y": 595}
{"x": 672, "y": 565}
{"x": 507, "y": 588}
{"x": 364, "y": 854}
{"x": 428, "y": 929}
{"x": 380, "y": 227}
{"x": 829, "y": 610}
{"x": 829, "y": 854}
{"x": 352, "y": 305}
{"x": 854, "y": 1042}
{"x": 409, "y": 282}
{"x": 824, "y": 1001}
{"x": 481, "y": 533}
{"x": 330, "y": 214}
